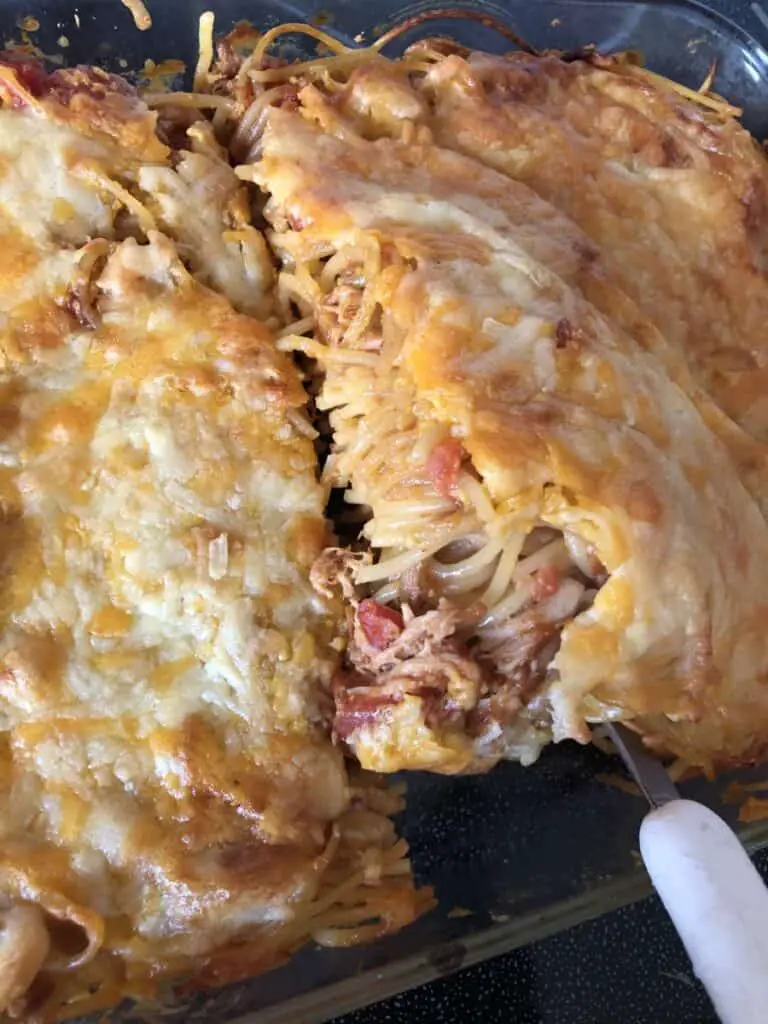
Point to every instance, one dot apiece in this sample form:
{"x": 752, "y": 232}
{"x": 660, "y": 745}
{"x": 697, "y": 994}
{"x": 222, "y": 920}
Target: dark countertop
{"x": 627, "y": 966}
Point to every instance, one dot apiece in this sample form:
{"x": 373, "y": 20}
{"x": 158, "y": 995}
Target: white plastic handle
{"x": 717, "y": 902}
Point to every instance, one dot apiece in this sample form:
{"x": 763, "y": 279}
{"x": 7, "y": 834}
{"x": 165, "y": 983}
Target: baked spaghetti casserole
{"x": 407, "y": 412}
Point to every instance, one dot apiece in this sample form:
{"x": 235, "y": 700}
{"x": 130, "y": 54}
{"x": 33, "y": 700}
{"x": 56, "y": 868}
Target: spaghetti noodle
{"x": 141, "y": 16}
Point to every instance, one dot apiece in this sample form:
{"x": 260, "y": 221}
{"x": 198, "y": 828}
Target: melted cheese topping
{"x": 673, "y": 200}
{"x": 167, "y": 784}
{"x": 501, "y": 324}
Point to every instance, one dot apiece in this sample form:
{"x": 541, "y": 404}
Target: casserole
{"x": 447, "y": 961}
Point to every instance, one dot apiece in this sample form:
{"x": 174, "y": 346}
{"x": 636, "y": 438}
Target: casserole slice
{"x": 171, "y": 804}
{"x": 550, "y": 529}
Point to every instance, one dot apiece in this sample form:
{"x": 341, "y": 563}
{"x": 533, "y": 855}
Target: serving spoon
{"x": 710, "y": 888}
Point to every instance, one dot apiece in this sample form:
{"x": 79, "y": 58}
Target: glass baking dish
{"x": 520, "y": 853}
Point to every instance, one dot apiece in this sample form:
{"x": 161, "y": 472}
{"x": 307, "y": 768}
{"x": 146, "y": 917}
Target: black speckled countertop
{"x": 627, "y": 966}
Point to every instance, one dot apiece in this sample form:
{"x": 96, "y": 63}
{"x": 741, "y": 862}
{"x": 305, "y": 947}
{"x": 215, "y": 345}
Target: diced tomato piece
{"x": 295, "y": 221}
{"x": 546, "y": 582}
{"x": 381, "y": 625}
{"x": 31, "y": 74}
{"x": 444, "y": 466}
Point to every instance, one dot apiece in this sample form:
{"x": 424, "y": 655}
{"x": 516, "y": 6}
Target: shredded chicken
{"x": 426, "y": 660}
{"x": 228, "y": 62}
{"x": 473, "y": 678}
{"x": 335, "y": 570}
{"x": 338, "y": 310}
{"x": 427, "y": 653}
{"x": 391, "y": 654}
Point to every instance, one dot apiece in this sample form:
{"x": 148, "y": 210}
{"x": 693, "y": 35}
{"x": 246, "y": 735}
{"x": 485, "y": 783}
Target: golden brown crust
{"x": 672, "y": 197}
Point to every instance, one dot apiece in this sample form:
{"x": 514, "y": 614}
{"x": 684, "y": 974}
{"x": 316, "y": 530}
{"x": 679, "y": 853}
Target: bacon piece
{"x": 66, "y": 83}
{"x": 30, "y": 75}
{"x": 356, "y": 709}
{"x": 545, "y": 582}
{"x": 444, "y": 466}
{"x": 61, "y": 85}
{"x": 381, "y": 625}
